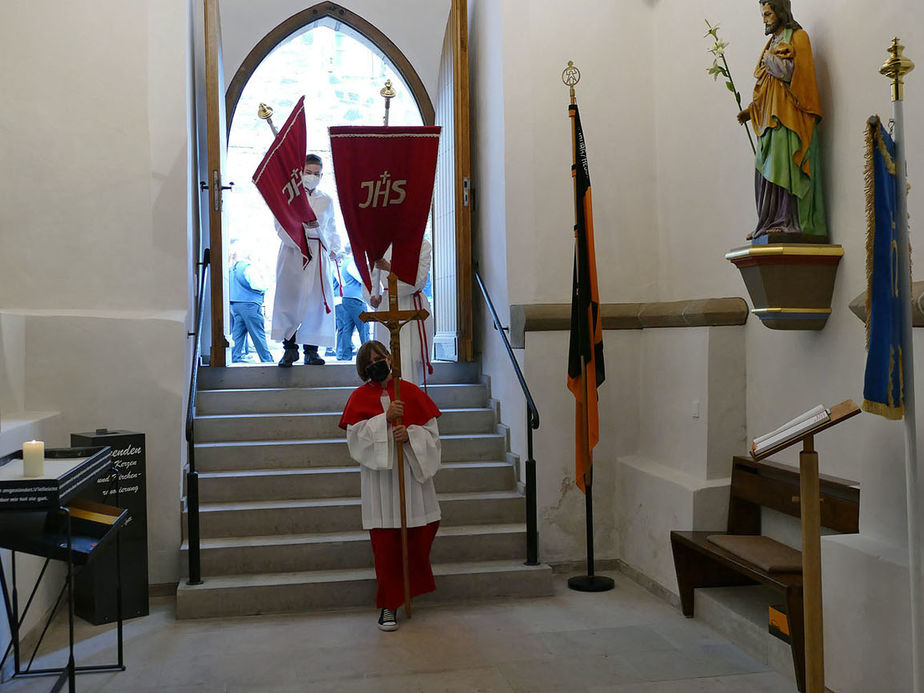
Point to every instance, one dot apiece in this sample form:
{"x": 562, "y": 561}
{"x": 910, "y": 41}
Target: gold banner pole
{"x": 394, "y": 319}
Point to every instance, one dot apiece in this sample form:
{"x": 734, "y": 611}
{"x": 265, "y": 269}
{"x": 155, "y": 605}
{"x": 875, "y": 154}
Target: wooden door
{"x": 217, "y": 140}
{"x": 452, "y": 238}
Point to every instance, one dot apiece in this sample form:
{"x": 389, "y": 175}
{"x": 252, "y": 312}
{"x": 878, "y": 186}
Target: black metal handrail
{"x": 192, "y": 476}
{"x": 532, "y": 423}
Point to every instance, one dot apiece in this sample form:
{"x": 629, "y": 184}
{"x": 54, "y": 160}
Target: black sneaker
{"x": 388, "y": 620}
{"x": 289, "y": 357}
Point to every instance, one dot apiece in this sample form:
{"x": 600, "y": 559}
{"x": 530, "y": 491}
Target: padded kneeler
{"x": 767, "y": 554}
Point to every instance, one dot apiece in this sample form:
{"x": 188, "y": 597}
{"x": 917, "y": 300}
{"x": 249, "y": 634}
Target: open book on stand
{"x": 791, "y": 429}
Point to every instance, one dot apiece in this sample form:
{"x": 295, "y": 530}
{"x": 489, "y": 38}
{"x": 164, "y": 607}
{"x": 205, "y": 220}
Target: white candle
{"x": 33, "y": 458}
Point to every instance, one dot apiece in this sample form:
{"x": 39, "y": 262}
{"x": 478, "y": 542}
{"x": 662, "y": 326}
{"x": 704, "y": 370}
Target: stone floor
{"x": 623, "y": 641}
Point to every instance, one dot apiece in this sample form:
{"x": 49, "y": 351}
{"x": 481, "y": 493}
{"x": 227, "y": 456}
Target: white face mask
{"x": 310, "y": 181}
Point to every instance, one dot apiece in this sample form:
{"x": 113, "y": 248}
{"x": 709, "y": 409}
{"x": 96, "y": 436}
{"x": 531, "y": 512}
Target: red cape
{"x": 365, "y": 402}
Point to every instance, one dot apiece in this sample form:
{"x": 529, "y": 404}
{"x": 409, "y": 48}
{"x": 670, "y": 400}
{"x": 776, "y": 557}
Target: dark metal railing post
{"x": 532, "y": 423}
{"x": 532, "y": 520}
{"x": 192, "y": 476}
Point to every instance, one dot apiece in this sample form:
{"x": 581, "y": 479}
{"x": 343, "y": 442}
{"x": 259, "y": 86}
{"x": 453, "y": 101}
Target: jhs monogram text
{"x": 384, "y": 191}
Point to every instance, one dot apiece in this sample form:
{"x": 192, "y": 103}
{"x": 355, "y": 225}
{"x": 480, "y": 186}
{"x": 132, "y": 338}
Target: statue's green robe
{"x": 784, "y": 116}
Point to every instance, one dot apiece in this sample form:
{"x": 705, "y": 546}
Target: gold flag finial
{"x": 896, "y": 67}
{"x": 571, "y": 76}
{"x": 264, "y": 111}
{"x": 388, "y": 94}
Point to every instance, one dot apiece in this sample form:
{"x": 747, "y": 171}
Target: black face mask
{"x": 378, "y": 371}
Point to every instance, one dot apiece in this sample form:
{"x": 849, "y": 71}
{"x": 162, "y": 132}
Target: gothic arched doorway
{"x": 335, "y": 26}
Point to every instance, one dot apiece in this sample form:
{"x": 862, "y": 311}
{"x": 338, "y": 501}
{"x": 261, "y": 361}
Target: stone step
{"x": 263, "y": 518}
{"x": 239, "y": 427}
{"x": 330, "y": 375}
{"x": 334, "y": 482}
{"x": 267, "y": 454}
{"x": 343, "y": 550}
{"x": 284, "y": 400}
{"x": 249, "y": 595}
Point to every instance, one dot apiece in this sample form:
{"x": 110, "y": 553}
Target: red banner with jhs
{"x": 385, "y": 185}
{"x": 279, "y": 178}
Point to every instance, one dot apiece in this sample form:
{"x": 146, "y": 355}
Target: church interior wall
{"x": 518, "y": 52}
{"x": 96, "y": 225}
{"x": 12, "y": 363}
{"x": 705, "y": 203}
{"x": 489, "y": 220}
{"x": 673, "y": 191}
{"x": 97, "y": 212}
{"x": 561, "y": 503}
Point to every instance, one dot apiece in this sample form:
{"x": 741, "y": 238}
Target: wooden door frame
{"x": 213, "y": 72}
{"x": 458, "y": 16}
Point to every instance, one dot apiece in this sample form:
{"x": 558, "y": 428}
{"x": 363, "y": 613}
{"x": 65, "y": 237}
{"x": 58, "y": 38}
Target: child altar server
{"x": 372, "y": 435}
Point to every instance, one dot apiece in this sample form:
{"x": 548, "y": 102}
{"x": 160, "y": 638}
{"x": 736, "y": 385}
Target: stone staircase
{"x": 280, "y": 508}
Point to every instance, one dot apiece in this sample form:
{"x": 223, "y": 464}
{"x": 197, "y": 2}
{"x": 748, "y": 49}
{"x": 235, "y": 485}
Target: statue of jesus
{"x": 784, "y": 113}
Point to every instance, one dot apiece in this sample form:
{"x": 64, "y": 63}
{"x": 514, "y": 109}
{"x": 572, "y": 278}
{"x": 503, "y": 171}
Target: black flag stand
{"x": 590, "y": 582}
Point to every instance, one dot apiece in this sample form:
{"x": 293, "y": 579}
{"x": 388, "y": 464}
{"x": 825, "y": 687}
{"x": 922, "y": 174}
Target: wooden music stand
{"x": 811, "y": 541}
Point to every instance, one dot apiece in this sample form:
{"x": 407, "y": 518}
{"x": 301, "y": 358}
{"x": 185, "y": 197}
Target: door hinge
{"x": 466, "y": 190}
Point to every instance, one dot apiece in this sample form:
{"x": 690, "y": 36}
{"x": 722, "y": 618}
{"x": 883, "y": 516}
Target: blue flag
{"x": 882, "y": 388}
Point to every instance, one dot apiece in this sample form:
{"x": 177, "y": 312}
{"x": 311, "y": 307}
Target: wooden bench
{"x": 755, "y": 485}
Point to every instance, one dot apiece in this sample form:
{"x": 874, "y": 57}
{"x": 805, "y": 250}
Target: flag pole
{"x": 895, "y": 68}
{"x": 388, "y": 94}
{"x": 589, "y": 582}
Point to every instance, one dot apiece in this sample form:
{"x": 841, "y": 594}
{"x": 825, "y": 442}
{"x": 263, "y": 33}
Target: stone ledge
{"x": 858, "y": 305}
{"x": 704, "y": 312}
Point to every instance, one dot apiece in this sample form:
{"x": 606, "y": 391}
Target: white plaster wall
{"x": 652, "y": 499}
{"x": 523, "y": 220}
{"x": 674, "y": 377}
{"x": 608, "y": 42}
{"x": 489, "y": 219}
{"x": 561, "y": 503}
{"x": 867, "y": 630}
{"x": 94, "y": 227}
{"x": 415, "y": 27}
{"x": 94, "y": 155}
{"x": 12, "y": 364}
{"x": 692, "y": 418}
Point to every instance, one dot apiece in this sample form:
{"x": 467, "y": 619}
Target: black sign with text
{"x": 95, "y": 585}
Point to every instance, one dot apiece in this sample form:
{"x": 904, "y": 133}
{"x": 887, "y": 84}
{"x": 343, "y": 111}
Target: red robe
{"x": 365, "y": 402}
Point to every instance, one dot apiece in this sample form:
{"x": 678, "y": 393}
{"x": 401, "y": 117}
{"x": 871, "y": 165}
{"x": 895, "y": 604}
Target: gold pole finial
{"x": 896, "y": 67}
{"x": 571, "y": 76}
{"x": 388, "y": 94}
{"x": 264, "y": 111}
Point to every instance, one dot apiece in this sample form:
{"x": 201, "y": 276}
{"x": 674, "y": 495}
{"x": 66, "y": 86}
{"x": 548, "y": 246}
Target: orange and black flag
{"x": 585, "y": 355}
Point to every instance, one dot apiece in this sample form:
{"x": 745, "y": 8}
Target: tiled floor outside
{"x": 623, "y": 641}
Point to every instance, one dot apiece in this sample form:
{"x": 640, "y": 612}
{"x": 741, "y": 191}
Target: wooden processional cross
{"x": 394, "y": 319}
